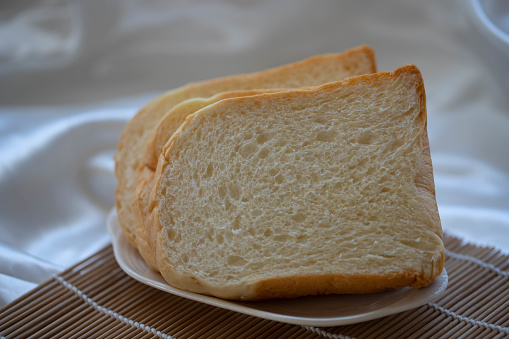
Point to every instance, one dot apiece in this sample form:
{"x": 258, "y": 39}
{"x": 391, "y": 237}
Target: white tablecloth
{"x": 73, "y": 72}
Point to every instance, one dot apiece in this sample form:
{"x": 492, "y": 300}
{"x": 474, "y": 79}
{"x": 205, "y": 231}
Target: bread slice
{"x": 309, "y": 191}
{"x": 163, "y": 131}
{"x": 313, "y": 71}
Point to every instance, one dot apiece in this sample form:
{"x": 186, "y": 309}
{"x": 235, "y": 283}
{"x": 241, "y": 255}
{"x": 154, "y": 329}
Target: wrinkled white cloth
{"x": 73, "y": 72}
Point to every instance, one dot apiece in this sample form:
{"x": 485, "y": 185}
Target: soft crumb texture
{"x": 162, "y": 132}
{"x": 133, "y": 141}
{"x": 327, "y": 190}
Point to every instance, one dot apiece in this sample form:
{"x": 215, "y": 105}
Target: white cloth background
{"x": 73, "y": 72}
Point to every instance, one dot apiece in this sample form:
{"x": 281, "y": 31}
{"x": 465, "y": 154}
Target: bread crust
{"x": 142, "y": 194}
{"x": 318, "y": 283}
{"x": 299, "y": 285}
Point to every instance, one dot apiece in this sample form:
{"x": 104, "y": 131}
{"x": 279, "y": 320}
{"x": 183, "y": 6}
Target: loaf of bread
{"x": 137, "y": 134}
{"x": 301, "y": 192}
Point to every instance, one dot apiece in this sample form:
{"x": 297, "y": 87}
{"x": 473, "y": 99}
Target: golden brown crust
{"x": 298, "y": 285}
{"x": 127, "y": 161}
{"x": 425, "y": 183}
{"x": 295, "y": 286}
{"x": 142, "y": 195}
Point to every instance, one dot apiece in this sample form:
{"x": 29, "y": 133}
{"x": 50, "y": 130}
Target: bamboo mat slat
{"x": 96, "y": 299}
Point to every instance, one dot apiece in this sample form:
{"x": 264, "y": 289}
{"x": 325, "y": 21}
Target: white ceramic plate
{"x": 329, "y": 310}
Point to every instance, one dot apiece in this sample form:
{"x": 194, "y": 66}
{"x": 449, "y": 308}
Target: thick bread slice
{"x": 163, "y": 131}
{"x": 302, "y": 192}
{"x": 310, "y": 72}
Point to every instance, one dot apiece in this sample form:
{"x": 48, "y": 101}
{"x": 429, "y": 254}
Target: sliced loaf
{"x": 310, "y": 191}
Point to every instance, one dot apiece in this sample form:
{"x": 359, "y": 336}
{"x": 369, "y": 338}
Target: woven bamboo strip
{"x": 129, "y": 301}
{"x": 167, "y": 318}
{"x": 95, "y": 322}
{"x": 182, "y": 319}
{"x": 99, "y": 280}
{"x": 261, "y": 327}
{"x": 143, "y": 335}
{"x": 492, "y": 290}
{"x": 21, "y": 322}
{"x": 501, "y": 317}
{"x": 479, "y": 331}
{"x": 7, "y": 313}
{"x": 90, "y": 281}
{"x": 384, "y": 327}
{"x": 21, "y": 305}
{"x": 289, "y": 332}
{"x": 458, "y": 287}
{"x": 495, "y": 334}
{"x": 294, "y": 332}
{"x": 496, "y": 307}
{"x": 65, "y": 323}
{"x": 41, "y": 323}
{"x": 278, "y": 331}
{"x": 468, "y": 290}
{"x": 175, "y": 320}
{"x": 119, "y": 331}
{"x": 239, "y": 322}
{"x": 79, "y": 327}
{"x": 452, "y": 242}
{"x": 412, "y": 320}
{"x": 357, "y": 329}
{"x": 143, "y": 309}
{"x": 195, "y": 318}
{"x": 455, "y": 326}
{"x": 100, "y": 332}
{"x": 96, "y": 277}
{"x": 437, "y": 317}
{"x": 301, "y": 333}
{"x": 216, "y": 317}
{"x": 500, "y": 336}
{"x": 164, "y": 318}
{"x": 124, "y": 332}
{"x": 493, "y": 257}
{"x": 453, "y": 264}
{"x": 463, "y": 332}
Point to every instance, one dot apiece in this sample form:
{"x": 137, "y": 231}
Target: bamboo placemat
{"x": 96, "y": 299}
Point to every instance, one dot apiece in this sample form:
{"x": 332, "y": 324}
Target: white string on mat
{"x": 111, "y": 313}
{"x": 476, "y": 261}
{"x": 324, "y": 333}
{"x": 468, "y": 320}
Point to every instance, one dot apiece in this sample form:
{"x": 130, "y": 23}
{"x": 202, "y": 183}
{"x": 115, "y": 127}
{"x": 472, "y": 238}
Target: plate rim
{"x": 438, "y": 287}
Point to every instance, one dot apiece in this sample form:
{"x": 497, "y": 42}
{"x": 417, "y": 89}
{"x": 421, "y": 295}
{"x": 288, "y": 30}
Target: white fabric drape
{"x": 73, "y": 72}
